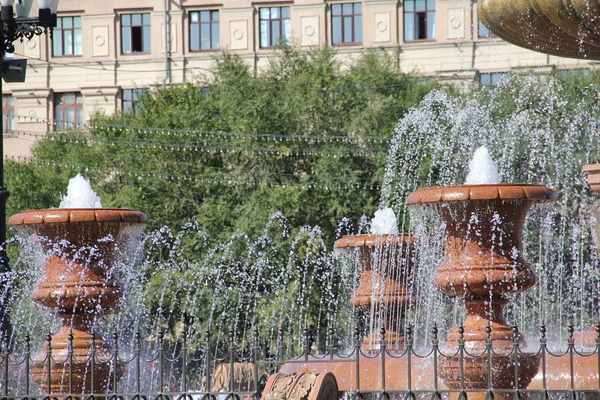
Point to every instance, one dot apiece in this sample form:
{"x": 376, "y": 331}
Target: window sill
{"x": 347, "y": 44}
{"x": 137, "y": 53}
{"x": 419, "y": 41}
{"x": 68, "y": 56}
{"x": 204, "y": 51}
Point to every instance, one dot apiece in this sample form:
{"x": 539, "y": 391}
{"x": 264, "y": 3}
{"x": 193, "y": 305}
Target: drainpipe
{"x": 167, "y": 44}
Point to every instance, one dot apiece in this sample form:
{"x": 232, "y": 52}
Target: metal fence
{"x": 176, "y": 369}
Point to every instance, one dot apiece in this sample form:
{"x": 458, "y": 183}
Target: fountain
{"x": 566, "y": 29}
{"x": 483, "y": 264}
{"x": 79, "y": 283}
{"x": 483, "y": 261}
{"x": 386, "y": 261}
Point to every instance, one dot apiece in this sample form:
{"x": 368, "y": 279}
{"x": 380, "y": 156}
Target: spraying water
{"x": 482, "y": 168}
{"x": 289, "y": 278}
{"x": 80, "y": 194}
{"x": 384, "y": 222}
{"x": 541, "y": 135}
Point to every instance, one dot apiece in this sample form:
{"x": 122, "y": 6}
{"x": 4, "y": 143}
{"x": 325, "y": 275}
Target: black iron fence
{"x": 176, "y": 369}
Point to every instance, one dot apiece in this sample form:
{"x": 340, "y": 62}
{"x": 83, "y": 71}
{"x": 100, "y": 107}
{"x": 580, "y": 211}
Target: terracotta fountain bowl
{"x": 593, "y": 176}
{"x": 502, "y": 191}
{"x": 79, "y": 226}
{"x": 77, "y": 215}
{"x": 79, "y": 275}
{"x": 395, "y": 248}
{"x": 484, "y": 225}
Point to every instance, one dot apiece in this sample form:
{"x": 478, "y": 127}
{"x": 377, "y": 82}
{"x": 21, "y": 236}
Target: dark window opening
{"x": 421, "y": 25}
{"x": 136, "y": 39}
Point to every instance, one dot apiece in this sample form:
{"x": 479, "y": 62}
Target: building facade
{"x": 104, "y": 52}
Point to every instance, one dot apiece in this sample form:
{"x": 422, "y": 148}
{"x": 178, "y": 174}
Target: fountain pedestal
{"x": 483, "y": 264}
{"x": 79, "y": 282}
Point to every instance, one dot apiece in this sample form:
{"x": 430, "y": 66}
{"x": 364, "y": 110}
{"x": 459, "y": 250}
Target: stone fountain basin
{"x": 79, "y": 275}
{"x": 563, "y": 28}
{"x": 501, "y": 191}
{"x": 484, "y": 225}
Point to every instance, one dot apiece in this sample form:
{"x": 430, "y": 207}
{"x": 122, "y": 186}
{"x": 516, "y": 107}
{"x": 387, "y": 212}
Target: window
{"x": 8, "y": 111}
{"x": 204, "y": 30}
{"x": 135, "y": 33}
{"x": 492, "y": 79}
{"x": 576, "y": 73}
{"x": 419, "y": 20}
{"x": 68, "y": 110}
{"x": 67, "y": 37}
{"x": 205, "y": 91}
{"x": 130, "y": 99}
{"x": 484, "y": 32}
{"x": 346, "y": 23}
{"x": 275, "y": 26}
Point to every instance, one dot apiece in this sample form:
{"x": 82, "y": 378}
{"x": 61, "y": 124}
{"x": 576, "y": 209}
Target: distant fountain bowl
{"x": 79, "y": 282}
{"x": 561, "y": 28}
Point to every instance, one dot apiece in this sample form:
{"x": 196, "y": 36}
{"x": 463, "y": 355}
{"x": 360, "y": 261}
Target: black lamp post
{"x": 15, "y": 28}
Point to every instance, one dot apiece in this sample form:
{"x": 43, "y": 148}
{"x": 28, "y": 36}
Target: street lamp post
{"x": 16, "y": 28}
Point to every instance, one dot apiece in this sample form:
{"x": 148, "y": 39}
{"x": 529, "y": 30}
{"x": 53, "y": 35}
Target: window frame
{"x": 136, "y": 93}
{"x": 76, "y": 106}
{"x": 75, "y": 31}
{"x": 131, "y": 25}
{"x": 500, "y": 74}
{"x": 270, "y": 21}
{"x": 342, "y": 16}
{"x": 211, "y": 23}
{"x": 415, "y": 24}
{"x": 8, "y": 113}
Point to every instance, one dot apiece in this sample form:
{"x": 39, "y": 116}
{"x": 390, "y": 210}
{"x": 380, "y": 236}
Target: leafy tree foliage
{"x": 312, "y": 181}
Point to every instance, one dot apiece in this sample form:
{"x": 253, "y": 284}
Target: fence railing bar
{"x": 382, "y": 350}
{"x": 207, "y": 352}
{"x": 357, "y": 343}
{"x": 27, "y": 363}
{"x": 115, "y": 364}
{"x": 231, "y": 360}
{"x": 515, "y": 355}
{"x": 409, "y": 394}
{"x": 138, "y": 362}
{"x": 488, "y": 350}
{"x": 70, "y": 356}
{"x": 161, "y": 365}
{"x": 93, "y": 363}
{"x": 461, "y": 357}
{"x": 255, "y": 354}
{"x": 49, "y": 363}
{"x": 435, "y": 344}
{"x": 571, "y": 346}
{"x": 184, "y": 350}
{"x": 280, "y": 349}
{"x": 306, "y": 343}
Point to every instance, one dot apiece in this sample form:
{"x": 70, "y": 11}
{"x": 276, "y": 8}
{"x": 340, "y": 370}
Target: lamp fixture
{"x": 24, "y": 26}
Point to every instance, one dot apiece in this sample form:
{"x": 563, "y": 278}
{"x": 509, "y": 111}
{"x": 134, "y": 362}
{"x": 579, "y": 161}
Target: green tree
{"x": 280, "y": 118}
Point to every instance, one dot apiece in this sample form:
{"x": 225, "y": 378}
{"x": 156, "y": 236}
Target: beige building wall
{"x": 102, "y": 71}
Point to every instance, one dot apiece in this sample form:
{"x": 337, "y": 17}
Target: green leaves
{"x": 277, "y": 156}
